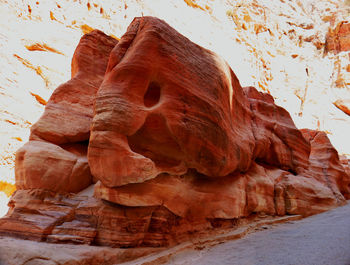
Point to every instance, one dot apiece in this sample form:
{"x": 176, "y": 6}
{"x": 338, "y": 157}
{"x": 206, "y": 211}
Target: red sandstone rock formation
{"x": 55, "y": 158}
{"x": 175, "y": 143}
{"x": 175, "y": 111}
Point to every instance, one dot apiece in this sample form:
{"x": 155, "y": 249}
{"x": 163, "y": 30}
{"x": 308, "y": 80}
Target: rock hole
{"x": 77, "y": 148}
{"x": 293, "y": 172}
{"x": 152, "y": 95}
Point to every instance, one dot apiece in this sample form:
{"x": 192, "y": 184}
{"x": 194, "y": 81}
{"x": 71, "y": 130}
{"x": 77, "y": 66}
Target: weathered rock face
{"x": 179, "y": 107}
{"x": 55, "y": 158}
{"x": 46, "y": 216}
{"x": 174, "y": 143}
{"x": 277, "y": 141}
{"x": 338, "y": 39}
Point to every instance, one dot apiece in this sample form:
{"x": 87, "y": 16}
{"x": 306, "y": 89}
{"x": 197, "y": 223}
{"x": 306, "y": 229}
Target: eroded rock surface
{"x": 174, "y": 142}
{"x": 179, "y": 106}
{"x": 55, "y": 158}
{"x": 338, "y": 39}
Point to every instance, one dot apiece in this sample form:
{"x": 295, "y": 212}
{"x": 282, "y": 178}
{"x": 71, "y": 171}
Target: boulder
{"x": 43, "y": 165}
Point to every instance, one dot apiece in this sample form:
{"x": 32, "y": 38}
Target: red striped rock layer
{"x": 64, "y": 218}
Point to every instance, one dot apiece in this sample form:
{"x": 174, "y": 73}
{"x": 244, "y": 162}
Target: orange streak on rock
{"x": 39, "y": 99}
{"x": 193, "y": 4}
{"x": 343, "y": 106}
{"x": 42, "y": 47}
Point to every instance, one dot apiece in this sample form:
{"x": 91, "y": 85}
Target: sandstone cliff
{"x": 296, "y": 52}
{"x": 171, "y": 144}
{"x": 281, "y": 47}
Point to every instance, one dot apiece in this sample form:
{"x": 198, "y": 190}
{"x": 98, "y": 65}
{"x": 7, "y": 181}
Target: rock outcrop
{"x": 338, "y": 39}
{"x": 172, "y": 141}
{"x": 55, "y": 158}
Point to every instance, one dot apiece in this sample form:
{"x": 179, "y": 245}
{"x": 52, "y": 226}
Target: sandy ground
{"x": 322, "y": 239}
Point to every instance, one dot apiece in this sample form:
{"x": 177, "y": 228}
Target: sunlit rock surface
{"x": 175, "y": 144}
{"x": 338, "y": 39}
{"x": 58, "y": 141}
{"x": 277, "y": 46}
{"x": 167, "y": 105}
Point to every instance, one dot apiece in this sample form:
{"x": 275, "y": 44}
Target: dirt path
{"x": 322, "y": 239}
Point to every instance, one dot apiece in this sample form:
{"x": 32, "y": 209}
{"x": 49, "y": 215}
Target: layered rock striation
{"x": 171, "y": 143}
